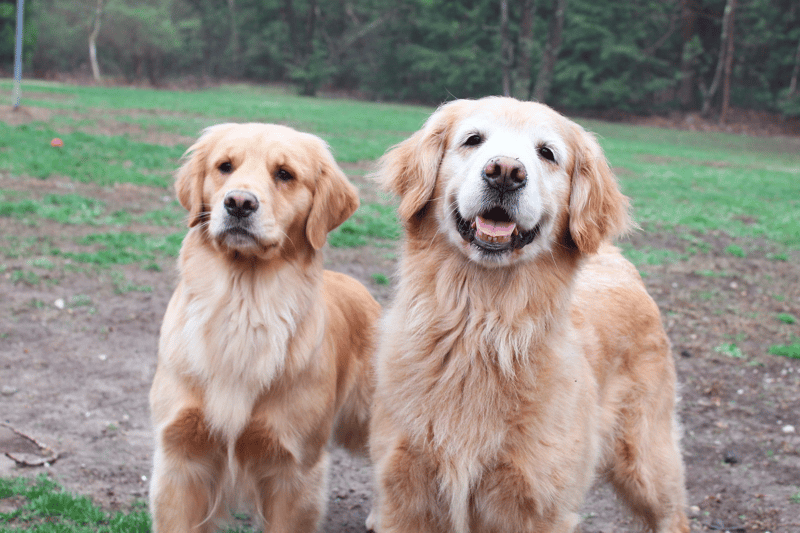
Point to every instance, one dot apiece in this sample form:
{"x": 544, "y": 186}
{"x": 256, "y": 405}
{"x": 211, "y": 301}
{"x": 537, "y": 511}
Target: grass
{"x": 43, "y": 506}
{"x": 730, "y": 349}
{"x": 743, "y": 186}
{"x": 786, "y": 350}
{"x": 370, "y": 224}
{"x": 355, "y": 130}
{"x": 649, "y": 256}
{"x": 86, "y": 158}
{"x": 124, "y": 248}
{"x": 701, "y": 182}
{"x": 62, "y": 208}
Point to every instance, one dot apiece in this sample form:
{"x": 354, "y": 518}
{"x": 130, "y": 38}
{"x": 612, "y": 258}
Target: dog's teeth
{"x": 515, "y": 232}
{"x": 473, "y": 225}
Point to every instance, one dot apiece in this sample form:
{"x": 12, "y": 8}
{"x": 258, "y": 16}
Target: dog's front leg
{"x": 293, "y": 500}
{"x": 185, "y": 480}
{"x": 409, "y": 500}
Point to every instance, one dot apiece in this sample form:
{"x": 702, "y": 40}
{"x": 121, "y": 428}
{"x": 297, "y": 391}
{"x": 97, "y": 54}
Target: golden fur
{"x": 506, "y": 380}
{"x": 262, "y": 354}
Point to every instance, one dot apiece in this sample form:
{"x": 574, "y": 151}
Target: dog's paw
{"x": 372, "y": 522}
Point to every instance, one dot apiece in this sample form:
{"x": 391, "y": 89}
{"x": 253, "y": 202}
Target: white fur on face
{"x": 537, "y": 202}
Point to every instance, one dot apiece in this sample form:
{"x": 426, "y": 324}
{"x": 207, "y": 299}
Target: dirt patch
{"x": 78, "y": 352}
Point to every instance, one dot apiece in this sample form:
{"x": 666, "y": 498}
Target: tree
{"x": 795, "y": 72}
{"x": 234, "y": 42}
{"x": 727, "y": 27}
{"x": 506, "y": 51}
{"x": 93, "y": 40}
{"x": 688, "y": 54}
{"x": 726, "y": 85}
{"x": 545, "y": 77}
{"x": 523, "y": 85}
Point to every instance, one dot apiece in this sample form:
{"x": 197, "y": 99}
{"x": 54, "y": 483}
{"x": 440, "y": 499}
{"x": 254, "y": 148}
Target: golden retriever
{"x": 522, "y": 354}
{"x": 262, "y": 354}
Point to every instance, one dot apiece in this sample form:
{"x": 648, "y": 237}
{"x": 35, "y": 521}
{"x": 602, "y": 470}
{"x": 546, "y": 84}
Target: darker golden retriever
{"x": 522, "y": 354}
{"x": 262, "y": 355}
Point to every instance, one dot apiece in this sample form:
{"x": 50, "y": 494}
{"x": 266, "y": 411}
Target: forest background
{"x": 590, "y": 56}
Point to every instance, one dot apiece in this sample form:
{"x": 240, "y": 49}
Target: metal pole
{"x": 18, "y": 54}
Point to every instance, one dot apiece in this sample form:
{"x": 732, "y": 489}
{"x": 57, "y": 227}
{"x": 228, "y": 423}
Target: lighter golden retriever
{"x": 262, "y": 354}
{"x": 521, "y": 355}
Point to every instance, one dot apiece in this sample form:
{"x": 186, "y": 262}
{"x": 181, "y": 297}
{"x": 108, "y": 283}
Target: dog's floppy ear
{"x": 335, "y": 199}
{"x": 597, "y": 209}
{"x": 409, "y": 169}
{"x": 190, "y": 176}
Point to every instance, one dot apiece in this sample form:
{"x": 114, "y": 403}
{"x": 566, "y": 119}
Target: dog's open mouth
{"x": 494, "y": 231}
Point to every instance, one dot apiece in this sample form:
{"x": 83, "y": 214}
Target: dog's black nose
{"x": 505, "y": 174}
{"x": 240, "y": 204}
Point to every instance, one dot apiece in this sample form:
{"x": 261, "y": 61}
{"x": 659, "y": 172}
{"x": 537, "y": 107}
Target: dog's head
{"x": 256, "y": 189}
{"x": 506, "y": 181}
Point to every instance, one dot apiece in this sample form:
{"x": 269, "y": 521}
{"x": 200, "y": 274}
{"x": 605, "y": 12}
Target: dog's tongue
{"x": 494, "y": 229}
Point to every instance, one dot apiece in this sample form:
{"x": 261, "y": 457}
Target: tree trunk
{"x": 726, "y": 85}
{"x": 545, "y": 76}
{"x": 311, "y": 24}
{"x": 235, "y": 49}
{"x": 287, "y": 14}
{"x": 795, "y": 72}
{"x": 708, "y": 93}
{"x": 93, "y": 41}
{"x": 505, "y": 48}
{"x": 523, "y": 84}
{"x": 687, "y": 86}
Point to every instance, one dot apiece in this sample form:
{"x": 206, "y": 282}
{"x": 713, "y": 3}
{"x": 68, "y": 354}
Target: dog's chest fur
{"x": 237, "y": 336}
{"x": 502, "y": 375}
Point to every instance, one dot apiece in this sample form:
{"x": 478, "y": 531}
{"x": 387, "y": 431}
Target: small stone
{"x": 8, "y": 390}
{"x": 102, "y": 357}
{"x": 59, "y": 304}
{"x": 694, "y": 510}
{"x": 731, "y": 458}
{"x": 788, "y": 428}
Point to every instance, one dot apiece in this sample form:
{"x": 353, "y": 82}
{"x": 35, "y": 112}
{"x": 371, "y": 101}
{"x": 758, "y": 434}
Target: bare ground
{"x": 76, "y": 378}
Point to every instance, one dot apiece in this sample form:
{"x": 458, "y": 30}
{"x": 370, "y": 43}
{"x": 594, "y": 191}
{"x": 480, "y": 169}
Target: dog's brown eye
{"x": 283, "y": 175}
{"x": 226, "y": 167}
{"x": 473, "y": 140}
{"x": 547, "y": 153}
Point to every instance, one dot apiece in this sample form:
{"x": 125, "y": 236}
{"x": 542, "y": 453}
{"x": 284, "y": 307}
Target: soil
{"x": 77, "y": 354}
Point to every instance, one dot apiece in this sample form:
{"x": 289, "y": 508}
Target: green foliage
{"x": 8, "y": 28}
{"x": 613, "y": 55}
{"x": 787, "y": 318}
